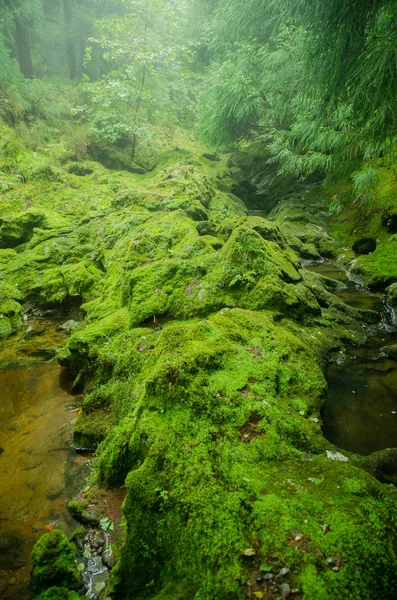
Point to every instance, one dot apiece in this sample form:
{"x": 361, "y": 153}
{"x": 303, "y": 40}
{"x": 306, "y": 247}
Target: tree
{"x": 147, "y": 63}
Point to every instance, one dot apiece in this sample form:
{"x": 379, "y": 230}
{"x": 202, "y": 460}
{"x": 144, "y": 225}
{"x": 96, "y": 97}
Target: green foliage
{"x": 148, "y": 80}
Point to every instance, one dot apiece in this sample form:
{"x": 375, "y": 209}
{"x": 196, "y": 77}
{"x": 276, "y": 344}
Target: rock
{"x": 284, "y": 571}
{"x": 108, "y": 558}
{"x": 389, "y": 220}
{"x": 285, "y": 590}
{"x": 364, "y": 245}
{"x": 206, "y": 227}
{"x": 35, "y": 328}
{"x": 333, "y": 562}
{"x": 53, "y": 562}
{"x": 392, "y": 294}
{"x": 5, "y": 327}
{"x": 389, "y": 351}
{"x": 336, "y": 456}
{"x": 310, "y": 252}
{"x": 69, "y": 326}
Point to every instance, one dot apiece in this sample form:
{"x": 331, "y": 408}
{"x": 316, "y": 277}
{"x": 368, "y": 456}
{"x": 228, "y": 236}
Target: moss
{"x": 5, "y": 327}
{"x": 80, "y": 169}
{"x": 210, "y": 413}
{"x": 379, "y": 268}
{"x": 58, "y": 593}
{"x": 20, "y": 229}
{"x": 294, "y": 301}
{"x": 91, "y": 429}
{"x": 53, "y": 562}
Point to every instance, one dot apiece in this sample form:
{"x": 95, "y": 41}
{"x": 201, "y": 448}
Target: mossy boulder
{"x": 53, "y": 563}
{"x": 19, "y": 229}
{"x": 5, "y": 327}
{"x": 392, "y": 294}
{"x": 80, "y": 169}
{"x": 293, "y": 301}
{"x": 59, "y": 593}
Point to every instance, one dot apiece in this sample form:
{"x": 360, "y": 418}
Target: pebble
{"x": 284, "y": 571}
{"x": 285, "y": 590}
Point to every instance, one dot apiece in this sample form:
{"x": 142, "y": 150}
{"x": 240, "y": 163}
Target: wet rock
{"x": 35, "y": 327}
{"x": 310, "y": 252}
{"x": 108, "y": 558}
{"x": 392, "y": 294}
{"x": 69, "y": 326}
{"x": 382, "y": 465}
{"x": 389, "y": 351}
{"x": 364, "y": 245}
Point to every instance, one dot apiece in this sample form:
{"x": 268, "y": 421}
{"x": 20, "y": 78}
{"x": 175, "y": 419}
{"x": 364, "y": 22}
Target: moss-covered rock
{"x": 19, "y": 229}
{"x": 53, "y": 563}
{"x": 58, "y": 593}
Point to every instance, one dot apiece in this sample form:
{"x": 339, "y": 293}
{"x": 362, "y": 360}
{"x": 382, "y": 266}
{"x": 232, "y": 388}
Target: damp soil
{"x": 39, "y": 469}
{"x": 360, "y": 412}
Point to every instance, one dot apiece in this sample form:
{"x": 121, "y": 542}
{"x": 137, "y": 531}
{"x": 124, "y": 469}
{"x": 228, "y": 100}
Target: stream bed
{"x": 360, "y": 412}
{"x": 39, "y": 469}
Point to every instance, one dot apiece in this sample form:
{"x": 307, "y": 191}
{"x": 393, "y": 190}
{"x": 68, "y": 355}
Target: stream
{"x": 360, "y": 412}
{"x": 39, "y": 470}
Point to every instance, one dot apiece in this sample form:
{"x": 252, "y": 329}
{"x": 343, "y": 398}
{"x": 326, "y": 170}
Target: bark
{"x": 23, "y": 47}
{"x": 70, "y": 44}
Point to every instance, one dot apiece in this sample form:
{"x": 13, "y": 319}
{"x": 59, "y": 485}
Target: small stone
{"x": 326, "y": 528}
{"x": 337, "y": 456}
{"x": 69, "y": 326}
{"x": 268, "y": 577}
{"x": 284, "y": 571}
{"x": 248, "y": 552}
{"x": 285, "y": 590}
{"x": 108, "y": 559}
{"x": 295, "y": 591}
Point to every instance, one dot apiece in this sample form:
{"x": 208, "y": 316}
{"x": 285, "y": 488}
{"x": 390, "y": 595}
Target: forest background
{"x": 317, "y": 82}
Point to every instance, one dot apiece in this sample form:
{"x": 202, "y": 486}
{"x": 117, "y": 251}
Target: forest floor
{"x": 201, "y": 357}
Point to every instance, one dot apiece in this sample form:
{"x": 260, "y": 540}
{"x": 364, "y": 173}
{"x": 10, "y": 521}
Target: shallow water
{"x": 39, "y": 470}
{"x": 360, "y": 412}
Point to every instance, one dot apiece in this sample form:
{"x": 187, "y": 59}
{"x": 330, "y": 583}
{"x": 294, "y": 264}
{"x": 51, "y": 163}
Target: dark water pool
{"x": 360, "y": 412}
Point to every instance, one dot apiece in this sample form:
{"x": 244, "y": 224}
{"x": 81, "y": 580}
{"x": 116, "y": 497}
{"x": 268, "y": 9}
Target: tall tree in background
{"x": 20, "y": 17}
{"x": 147, "y": 72}
{"x": 69, "y": 38}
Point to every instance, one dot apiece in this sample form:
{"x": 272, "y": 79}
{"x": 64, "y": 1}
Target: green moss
{"x": 53, "y": 562}
{"x": 58, "y": 593}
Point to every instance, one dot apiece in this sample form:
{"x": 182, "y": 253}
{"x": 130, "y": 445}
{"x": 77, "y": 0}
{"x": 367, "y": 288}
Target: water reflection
{"x": 35, "y": 432}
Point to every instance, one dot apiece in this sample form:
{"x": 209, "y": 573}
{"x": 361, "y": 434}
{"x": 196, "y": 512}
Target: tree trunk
{"x": 70, "y": 44}
{"x": 23, "y": 47}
